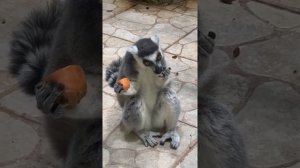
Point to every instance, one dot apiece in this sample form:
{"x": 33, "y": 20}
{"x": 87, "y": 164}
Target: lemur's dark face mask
{"x": 156, "y": 65}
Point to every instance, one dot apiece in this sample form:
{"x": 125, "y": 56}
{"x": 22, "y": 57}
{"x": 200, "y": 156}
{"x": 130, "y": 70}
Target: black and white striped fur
{"x": 149, "y": 104}
{"x": 220, "y": 143}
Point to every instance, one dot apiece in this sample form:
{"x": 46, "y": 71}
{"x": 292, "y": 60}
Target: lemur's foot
{"x": 49, "y": 98}
{"x": 175, "y": 139}
{"x": 148, "y": 138}
{"x": 165, "y": 73}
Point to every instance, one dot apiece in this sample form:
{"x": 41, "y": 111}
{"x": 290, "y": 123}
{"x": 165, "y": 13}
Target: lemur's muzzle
{"x": 158, "y": 69}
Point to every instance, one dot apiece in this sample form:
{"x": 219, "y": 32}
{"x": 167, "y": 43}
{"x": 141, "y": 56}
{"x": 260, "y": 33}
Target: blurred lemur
{"x": 220, "y": 144}
{"x": 149, "y": 104}
{"x": 63, "y": 33}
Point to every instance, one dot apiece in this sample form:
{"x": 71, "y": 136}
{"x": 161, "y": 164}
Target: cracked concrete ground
{"x": 261, "y": 84}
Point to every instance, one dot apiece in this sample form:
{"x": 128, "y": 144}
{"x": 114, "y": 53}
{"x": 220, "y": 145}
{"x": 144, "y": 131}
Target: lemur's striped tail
{"x": 112, "y": 72}
{"x": 30, "y": 45}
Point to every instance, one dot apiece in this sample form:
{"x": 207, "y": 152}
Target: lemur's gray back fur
{"x": 221, "y": 145}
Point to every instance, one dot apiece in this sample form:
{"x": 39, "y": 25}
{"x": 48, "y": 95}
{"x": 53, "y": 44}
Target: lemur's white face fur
{"x": 148, "y": 54}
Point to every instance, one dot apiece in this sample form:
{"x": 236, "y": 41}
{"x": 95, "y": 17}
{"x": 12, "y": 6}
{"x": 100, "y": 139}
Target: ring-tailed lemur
{"x": 64, "y": 33}
{"x": 149, "y": 104}
{"x": 220, "y": 143}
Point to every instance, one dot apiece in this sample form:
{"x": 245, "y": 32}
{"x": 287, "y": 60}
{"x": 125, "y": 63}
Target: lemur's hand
{"x": 49, "y": 98}
{"x": 118, "y": 88}
{"x": 165, "y": 73}
{"x": 122, "y": 85}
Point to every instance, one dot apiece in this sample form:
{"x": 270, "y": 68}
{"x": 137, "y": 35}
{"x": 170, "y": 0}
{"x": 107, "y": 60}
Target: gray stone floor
{"x": 261, "y": 85}
{"x": 124, "y": 22}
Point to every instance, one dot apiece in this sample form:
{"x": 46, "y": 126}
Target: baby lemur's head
{"x": 148, "y": 54}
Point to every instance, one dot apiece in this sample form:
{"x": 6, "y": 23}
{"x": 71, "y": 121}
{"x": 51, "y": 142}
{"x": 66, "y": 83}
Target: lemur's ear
{"x": 133, "y": 50}
{"x": 155, "y": 39}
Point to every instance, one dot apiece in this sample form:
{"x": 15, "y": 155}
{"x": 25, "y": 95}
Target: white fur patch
{"x": 152, "y": 57}
{"x": 155, "y": 39}
{"x": 133, "y": 50}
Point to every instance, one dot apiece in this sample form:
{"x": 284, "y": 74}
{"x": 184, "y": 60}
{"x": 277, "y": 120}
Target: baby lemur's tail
{"x": 112, "y": 72}
{"x": 30, "y": 45}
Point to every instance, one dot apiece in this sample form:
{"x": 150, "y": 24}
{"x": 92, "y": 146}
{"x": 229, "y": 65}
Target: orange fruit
{"x": 74, "y": 81}
{"x": 125, "y": 83}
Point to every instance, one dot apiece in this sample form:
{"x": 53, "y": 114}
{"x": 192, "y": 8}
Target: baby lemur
{"x": 64, "y": 33}
{"x": 150, "y": 103}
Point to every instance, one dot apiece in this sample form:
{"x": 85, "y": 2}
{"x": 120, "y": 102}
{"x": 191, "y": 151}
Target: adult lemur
{"x": 220, "y": 144}
{"x": 149, "y": 103}
{"x": 62, "y": 34}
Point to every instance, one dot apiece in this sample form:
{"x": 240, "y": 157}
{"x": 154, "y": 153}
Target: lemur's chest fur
{"x": 148, "y": 88}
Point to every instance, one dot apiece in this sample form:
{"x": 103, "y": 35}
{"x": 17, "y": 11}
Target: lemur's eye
{"x": 158, "y": 57}
{"x": 147, "y": 63}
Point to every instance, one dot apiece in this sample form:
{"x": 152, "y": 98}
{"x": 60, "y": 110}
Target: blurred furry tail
{"x": 112, "y": 72}
{"x": 30, "y": 45}
{"x": 86, "y": 146}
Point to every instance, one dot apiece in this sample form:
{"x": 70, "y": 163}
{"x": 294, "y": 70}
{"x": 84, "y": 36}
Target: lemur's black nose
{"x": 158, "y": 69}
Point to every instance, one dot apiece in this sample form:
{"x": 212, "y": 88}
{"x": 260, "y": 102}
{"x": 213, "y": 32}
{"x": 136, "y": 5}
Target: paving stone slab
{"x": 114, "y": 7}
{"x": 175, "y": 63}
{"x": 186, "y": 47}
{"x": 45, "y": 153}
{"x": 289, "y": 3}
{"x": 230, "y": 90}
{"x": 108, "y": 101}
{"x": 277, "y": 58}
{"x": 219, "y": 58}
{"x": 168, "y": 34}
{"x": 190, "y": 161}
{"x": 189, "y": 7}
{"x": 297, "y": 165}
{"x": 105, "y": 157}
{"x": 29, "y": 164}
{"x": 188, "y": 97}
{"x": 6, "y": 82}
{"x": 162, "y": 160}
{"x": 114, "y": 42}
{"x": 123, "y": 156}
{"x": 135, "y": 16}
{"x": 191, "y": 117}
{"x": 117, "y": 166}
{"x": 270, "y": 125}
{"x": 21, "y": 104}
{"x": 277, "y": 17}
{"x": 20, "y": 139}
{"x": 189, "y": 75}
{"x": 232, "y": 24}
{"x": 112, "y": 118}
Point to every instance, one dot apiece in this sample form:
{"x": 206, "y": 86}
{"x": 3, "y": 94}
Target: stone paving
{"x": 258, "y": 57}
{"x": 176, "y": 25}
